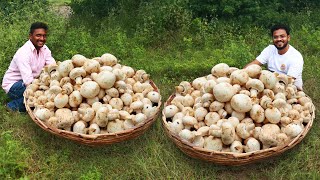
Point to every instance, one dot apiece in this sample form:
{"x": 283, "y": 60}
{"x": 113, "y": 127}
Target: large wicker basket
{"x": 229, "y": 158}
{"x": 99, "y": 139}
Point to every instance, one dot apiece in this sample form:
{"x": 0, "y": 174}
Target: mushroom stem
{"x": 79, "y": 80}
{"x": 253, "y": 93}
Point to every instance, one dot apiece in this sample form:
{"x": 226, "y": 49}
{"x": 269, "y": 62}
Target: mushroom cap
{"x": 61, "y": 100}
{"x": 227, "y": 133}
{"x": 141, "y": 76}
{"x": 212, "y": 143}
{"x": 170, "y": 111}
{"x": 129, "y": 71}
{"x": 91, "y": 66}
{"x": 293, "y": 130}
{"x": 279, "y": 103}
{"x": 184, "y": 88}
{"x": 273, "y": 115}
{"x": 65, "y": 67}
{"x": 55, "y": 89}
{"x": 253, "y": 70}
{"x": 255, "y": 84}
{"x": 223, "y": 92}
{"x": 241, "y": 103}
{"x": 268, "y": 78}
{"x": 108, "y": 59}
{"x": 77, "y": 72}
{"x": 75, "y": 99}
{"x": 105, "y": 79}
{"x": 52, "y": 67}
{"x": 89, "y": 89}
{"x": 154, "y": 96}
{"x": 65, "y": 117}
{"x": 257, "y": 113}
{"x": 239, "y": 77}
{"x": 120, "y": 75}
{"x": 267, "y": 133}
{"x": 252, "y": 144}
{"x": 283, "y": 78}
{"x": 78, "y": 60}
{"x": 236, "y": 147}
{"x": 220, "y": 70}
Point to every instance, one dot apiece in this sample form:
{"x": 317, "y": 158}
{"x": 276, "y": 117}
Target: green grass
{"x": 29, "y": 152}
{"x": 59, "y": 2}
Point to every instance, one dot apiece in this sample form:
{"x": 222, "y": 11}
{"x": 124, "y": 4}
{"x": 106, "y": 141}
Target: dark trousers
{"x": 16, "y": 95}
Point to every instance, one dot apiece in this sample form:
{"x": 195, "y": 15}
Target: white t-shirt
{"x": 290, "y": 63}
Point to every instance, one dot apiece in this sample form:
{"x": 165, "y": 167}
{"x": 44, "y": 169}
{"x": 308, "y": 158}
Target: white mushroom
{"x": 257, "y": 113}
{"x": 65, "y": 117}
{"x": 77, "y": 74}
{"x": 176, "y": 126}
{"x": 65, "y": 67}
{"x": 91, "y": 66}
{"x": 253, "y": 70}
{"x": 255, "y": 86}
{"x": 75, "y": 99}
{"x": 101, "y": 118}
{"x": 105, "y": 79}
{"x": 108, "y": 59}
{"x": 227, "y": 133}
{"x": 93, "y": 129}
{"x": 293, "y": 130}
{"x": 170, "y": 111}
{"x": 268, "y": 135}
{"x": 115, "y": 126}
{"x": 240, "y": 77}
{"x": 236, "y": 147}
{"x": 241, "y": 103}
{"x": 251, "y": 145}
{"x": 89, "y": 89}
{"x": 78, "y": 60}
{"x": 223, "y": 92}
{"x": 268, "y": 78}
{"x": 211, "y": 143}
{"x": 80, "y": 127}
{"x": 220, "y": 70}
{"x": 187, "y": 135}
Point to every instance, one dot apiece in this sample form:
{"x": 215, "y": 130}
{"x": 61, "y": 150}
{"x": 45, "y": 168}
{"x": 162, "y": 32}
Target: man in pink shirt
{"x": 26, "y": 65}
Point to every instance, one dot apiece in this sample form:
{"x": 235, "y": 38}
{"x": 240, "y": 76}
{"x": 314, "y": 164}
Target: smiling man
{"x": 282, "y": 57}
{"x": 26, "y": 65}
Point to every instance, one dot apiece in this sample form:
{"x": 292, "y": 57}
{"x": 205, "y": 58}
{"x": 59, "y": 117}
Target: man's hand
{"x": 253, "y": 62}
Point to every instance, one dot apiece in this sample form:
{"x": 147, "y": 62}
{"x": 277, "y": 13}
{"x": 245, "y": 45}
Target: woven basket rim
{"x": 230, "y": 158}
{"x": 98, "y": 139}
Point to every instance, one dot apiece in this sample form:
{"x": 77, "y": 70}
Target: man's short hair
{"x": 280, "y": 26}
{"x": 38, "y": 25}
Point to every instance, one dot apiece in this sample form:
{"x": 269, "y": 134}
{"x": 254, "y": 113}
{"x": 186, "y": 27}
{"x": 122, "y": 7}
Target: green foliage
{"x": 94, "y": 9}
{"x": 13, "y": 157}
{"x": 260, "y": 12}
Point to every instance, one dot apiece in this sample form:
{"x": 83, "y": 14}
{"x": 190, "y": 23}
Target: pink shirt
{"x": 26, "y": 65}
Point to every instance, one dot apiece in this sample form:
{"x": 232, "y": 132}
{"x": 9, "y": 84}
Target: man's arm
{"x": 253, "y": 62}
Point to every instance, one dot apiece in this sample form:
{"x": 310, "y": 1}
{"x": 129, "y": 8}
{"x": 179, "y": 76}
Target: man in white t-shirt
{"x": 282, "y": 57}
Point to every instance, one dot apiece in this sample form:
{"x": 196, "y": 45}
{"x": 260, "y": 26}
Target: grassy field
{"x": 28, "y": 152}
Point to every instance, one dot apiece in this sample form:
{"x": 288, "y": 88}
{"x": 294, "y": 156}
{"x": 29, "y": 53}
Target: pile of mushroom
{"x": 92, "y": 96}
{"x": 238, "y": 110}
